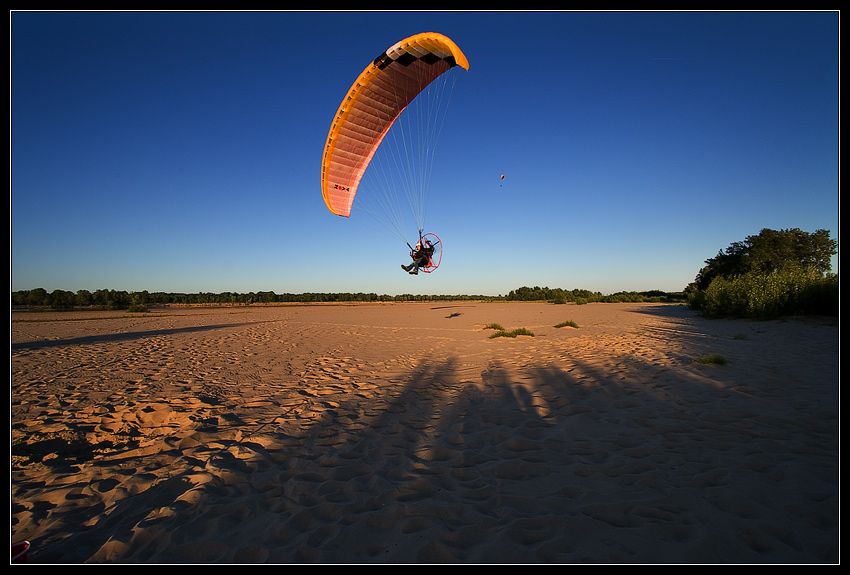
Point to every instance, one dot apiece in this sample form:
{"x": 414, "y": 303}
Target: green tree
{"x": 84, "y": 298}
{"x": 37, "y": 296}
{"x": 62, "y": 298}
{"x": 770, "y": 251}
{"x": 772, "y": 274}
{"x": 139, "y": 298}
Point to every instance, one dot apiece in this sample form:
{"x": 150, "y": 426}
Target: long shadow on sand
{"x": 114, "y": 337}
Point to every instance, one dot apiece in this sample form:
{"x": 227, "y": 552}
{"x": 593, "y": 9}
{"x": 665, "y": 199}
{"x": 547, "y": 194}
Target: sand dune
{"x": 403, "y": 433}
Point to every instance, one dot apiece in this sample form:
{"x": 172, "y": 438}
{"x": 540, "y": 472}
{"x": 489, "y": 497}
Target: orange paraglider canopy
{"x": 381, "y": 92}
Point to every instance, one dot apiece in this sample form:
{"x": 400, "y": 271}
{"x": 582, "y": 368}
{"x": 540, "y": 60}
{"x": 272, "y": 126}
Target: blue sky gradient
{"x": 181, "y": 152}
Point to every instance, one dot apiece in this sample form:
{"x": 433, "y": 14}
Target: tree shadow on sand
{"x": 638, "y": 460}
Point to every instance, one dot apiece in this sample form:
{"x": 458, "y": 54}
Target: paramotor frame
{"x": 436, "y": 257}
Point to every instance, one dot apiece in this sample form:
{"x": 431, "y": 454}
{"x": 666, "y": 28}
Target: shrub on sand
{"x": 711, "y": 359}
{"x": 513, "y": 333}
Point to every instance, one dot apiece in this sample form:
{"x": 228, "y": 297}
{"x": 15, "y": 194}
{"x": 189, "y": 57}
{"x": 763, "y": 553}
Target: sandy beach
{"x": 402, "y": 433}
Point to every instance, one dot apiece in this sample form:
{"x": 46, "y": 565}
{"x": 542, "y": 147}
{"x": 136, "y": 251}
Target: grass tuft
{"x": 513, "y": 333}
{"x": 569, "y": 323}
{"x": 711, "y": 359}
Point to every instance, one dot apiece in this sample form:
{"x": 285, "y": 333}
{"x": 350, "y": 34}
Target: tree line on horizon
{"x": 775, "y": 273}
{"x": 120, "y": 299}
{"x": 583, "y": 296}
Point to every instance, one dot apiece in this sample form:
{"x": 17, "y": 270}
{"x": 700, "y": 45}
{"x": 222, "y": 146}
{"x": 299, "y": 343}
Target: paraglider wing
{"x": 381, "y": 92}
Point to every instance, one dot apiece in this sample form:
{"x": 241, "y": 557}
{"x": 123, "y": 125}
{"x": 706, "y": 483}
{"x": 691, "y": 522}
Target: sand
{"x": 401, "y": 433}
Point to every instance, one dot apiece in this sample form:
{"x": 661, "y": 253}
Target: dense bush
{"x": 759, "y": 295}
{"x": 773, "y": 274}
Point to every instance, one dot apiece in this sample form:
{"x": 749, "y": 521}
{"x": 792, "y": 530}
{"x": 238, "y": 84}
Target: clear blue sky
{"x": 181, "y": 151}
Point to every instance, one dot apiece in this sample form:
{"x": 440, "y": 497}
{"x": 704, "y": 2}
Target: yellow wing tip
{"x": 448, "y": 43}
